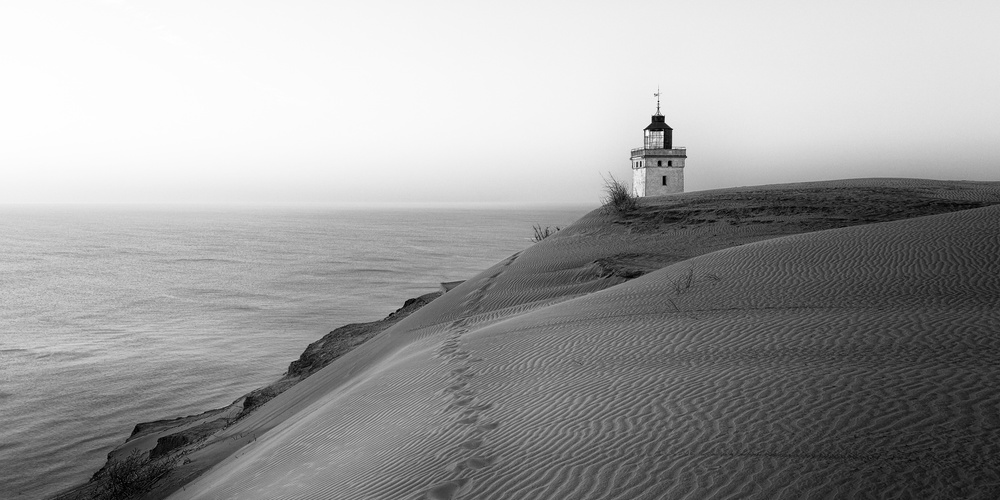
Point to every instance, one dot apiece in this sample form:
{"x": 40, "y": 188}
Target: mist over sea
{"x": 110, "y": 316}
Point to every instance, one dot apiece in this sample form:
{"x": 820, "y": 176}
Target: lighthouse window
{"x": 659, "y": 163}
{"x": 670, "y": 163}
{"x": 664, "y": 180}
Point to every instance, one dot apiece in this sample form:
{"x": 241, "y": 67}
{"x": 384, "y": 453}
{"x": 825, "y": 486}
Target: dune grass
{"x": 618, "y": 197}
{"x": 541, "y": 234}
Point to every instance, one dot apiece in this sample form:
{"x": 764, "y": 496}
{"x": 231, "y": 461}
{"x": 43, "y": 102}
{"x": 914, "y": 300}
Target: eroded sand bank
{"x": 859, "y": 361}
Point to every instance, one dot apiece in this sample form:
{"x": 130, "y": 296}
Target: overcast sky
{"x": 501, "y": 101}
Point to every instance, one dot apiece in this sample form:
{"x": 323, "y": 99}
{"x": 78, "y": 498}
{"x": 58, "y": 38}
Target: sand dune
{"x": 862, "y": 361}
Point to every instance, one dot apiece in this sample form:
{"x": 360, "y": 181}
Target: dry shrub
{"x": 619, "y": 198}
{"x": 541, "y": 234}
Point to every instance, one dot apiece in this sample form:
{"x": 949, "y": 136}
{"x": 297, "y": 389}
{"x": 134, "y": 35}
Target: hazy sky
{"x": 432, "y": 101}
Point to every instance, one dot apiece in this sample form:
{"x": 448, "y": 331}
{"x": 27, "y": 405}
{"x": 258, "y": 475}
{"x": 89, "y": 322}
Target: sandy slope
{"x": 861, "y": 361}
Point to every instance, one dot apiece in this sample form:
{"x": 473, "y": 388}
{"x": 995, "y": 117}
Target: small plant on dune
{"x": 683, "y": 282}
{"x": 541, "y": 234}
{"x": 131, "y": 476}
{"x": 619, "y": 198}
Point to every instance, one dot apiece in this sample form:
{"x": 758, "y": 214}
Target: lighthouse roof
{"x": 658, "y": 123}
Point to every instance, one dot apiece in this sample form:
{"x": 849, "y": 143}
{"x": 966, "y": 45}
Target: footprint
{"x": 462, "y": 402}
{"x": 446, "y": 490}
{"x": 471, "y": 444}
{"x": 488, "y": 427}
{"x": 474, "y": 463}
{"x": 481, "y": 407}
{"x": 460, "y": 373}
{"x": 468, "y": 420}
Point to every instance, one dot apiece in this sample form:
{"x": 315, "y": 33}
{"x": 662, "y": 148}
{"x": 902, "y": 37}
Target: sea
{"x": 114, "y": 315}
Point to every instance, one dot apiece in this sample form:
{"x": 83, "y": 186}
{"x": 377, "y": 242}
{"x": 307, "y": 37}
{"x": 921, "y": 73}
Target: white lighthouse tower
{"x": 658, "y": 167}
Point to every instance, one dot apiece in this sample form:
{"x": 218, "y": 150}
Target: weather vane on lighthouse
{"x": 657, "y": 95}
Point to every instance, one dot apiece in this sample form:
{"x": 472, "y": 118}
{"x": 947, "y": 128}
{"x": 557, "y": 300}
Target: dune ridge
{"x": 853, "y": 361}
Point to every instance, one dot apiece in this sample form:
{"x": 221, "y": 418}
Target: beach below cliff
{"x": 825, "y": 339}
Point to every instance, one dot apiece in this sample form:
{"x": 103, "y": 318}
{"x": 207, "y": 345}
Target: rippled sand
{"x": 862, "y": 361}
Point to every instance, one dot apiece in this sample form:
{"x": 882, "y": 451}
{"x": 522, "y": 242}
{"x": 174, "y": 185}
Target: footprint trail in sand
{"x": 464, "y": 406}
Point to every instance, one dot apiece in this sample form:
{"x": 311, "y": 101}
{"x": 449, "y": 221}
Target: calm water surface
{"x": 111, "y": 316}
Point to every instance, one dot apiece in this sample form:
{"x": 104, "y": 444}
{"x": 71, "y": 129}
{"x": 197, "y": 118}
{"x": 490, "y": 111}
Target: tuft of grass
{"x": 683, "y": 283}
{"x": 131, "y": 476}
{"x": 541, "y": 234}
{"x": 619, "y": 198}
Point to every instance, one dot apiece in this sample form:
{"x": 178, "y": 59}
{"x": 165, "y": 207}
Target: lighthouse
{"x": 658, "y": 166}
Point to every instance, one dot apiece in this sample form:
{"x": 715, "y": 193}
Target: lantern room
{"x": 658, "y": 135}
